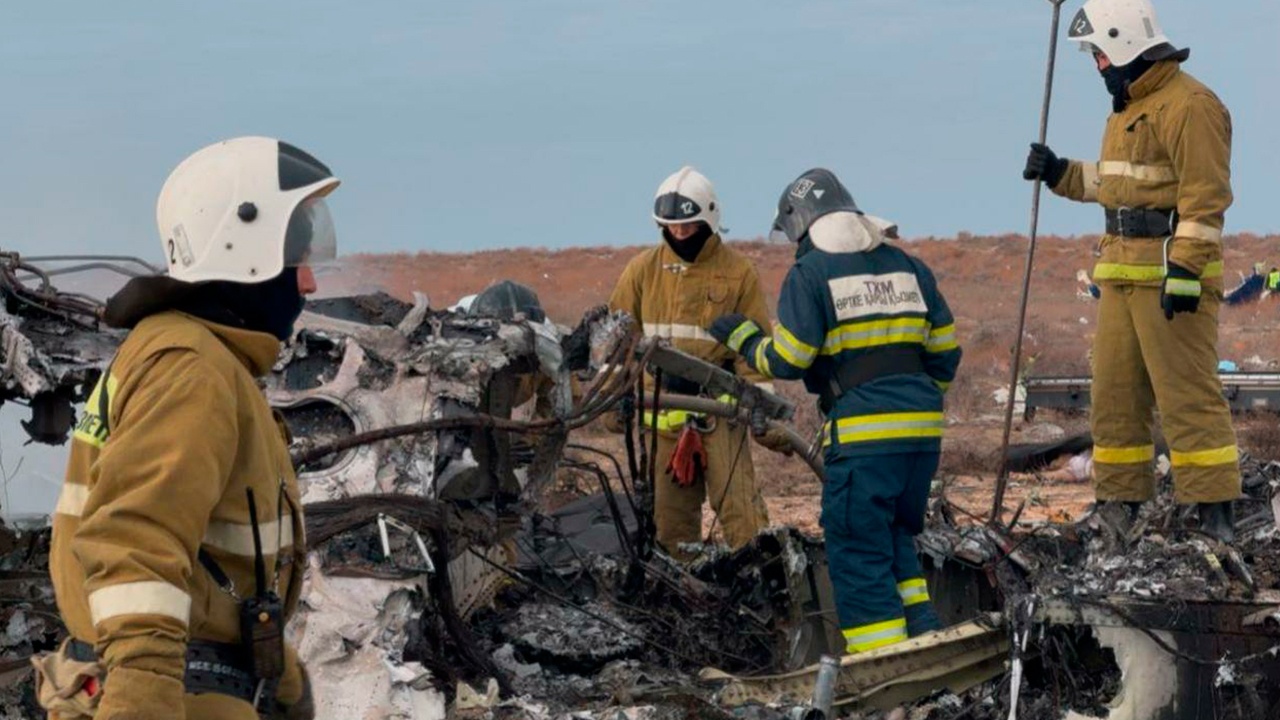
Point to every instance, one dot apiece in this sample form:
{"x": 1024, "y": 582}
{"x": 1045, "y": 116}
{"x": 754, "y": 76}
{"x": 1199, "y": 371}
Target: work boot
{"x": 921, "y": 619}
{"x": 1219, "y": 520}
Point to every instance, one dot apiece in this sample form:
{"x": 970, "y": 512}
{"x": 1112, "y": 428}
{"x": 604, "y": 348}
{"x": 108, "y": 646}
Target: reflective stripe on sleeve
{"x": 792, "y": 349}
{"x": 941, "y": 339}
{"x": 148, "y": 597}
{"x": 1183, "y": 287}
{"x": 237, "y": 538}
{"x": 72, "y": 499}
{"x": 1200, "y": 231}
{"x": 740, "y": 335}
{"x": 1091, "y": 181}
{"x": 762, "y": 357}
{"x": 1135, "y": 171}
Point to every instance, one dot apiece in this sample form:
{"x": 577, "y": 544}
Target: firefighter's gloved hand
{"x": 733, "y": 330}
{"x": 775, "y": 439}
{"x": 1180, "y": 292}
{"x": 1043, "y": 164}
{"x": 688, "y": 462}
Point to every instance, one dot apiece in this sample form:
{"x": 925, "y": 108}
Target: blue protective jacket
{"x": 849, "y": 296}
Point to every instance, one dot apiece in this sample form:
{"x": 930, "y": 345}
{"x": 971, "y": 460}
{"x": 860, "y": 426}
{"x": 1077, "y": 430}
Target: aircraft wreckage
{"x": 441, "y": 583}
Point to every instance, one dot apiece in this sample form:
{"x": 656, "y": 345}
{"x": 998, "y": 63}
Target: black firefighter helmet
{"x": 505, "y": 299}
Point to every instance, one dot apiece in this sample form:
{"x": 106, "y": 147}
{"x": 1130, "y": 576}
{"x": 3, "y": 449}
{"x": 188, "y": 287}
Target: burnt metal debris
{"x": 444, "y": 580}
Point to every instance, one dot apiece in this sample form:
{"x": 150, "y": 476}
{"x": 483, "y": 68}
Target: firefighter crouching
{"x": 674, "y": 290}
{"x": 864, "y": 324}
{"x": 178, "y": 547}
{"x": 1164, "y": 180}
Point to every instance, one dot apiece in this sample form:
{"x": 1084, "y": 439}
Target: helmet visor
{"x": 310, "y": 237}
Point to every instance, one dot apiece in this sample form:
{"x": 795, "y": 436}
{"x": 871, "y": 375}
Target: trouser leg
{"x": 731, "y": 484}
{"x": 918, "y": 469}
{"x": 1122, "y": 402}
{"x": 859, "y": 504}
{"x": 677, "y": 511}
{"x": 1182, "y": 358}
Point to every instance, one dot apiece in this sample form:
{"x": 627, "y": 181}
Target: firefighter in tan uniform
{"x": 1164, "y": 179}
{"x": 179, "y": 478}
{"x": 675, "y": 290}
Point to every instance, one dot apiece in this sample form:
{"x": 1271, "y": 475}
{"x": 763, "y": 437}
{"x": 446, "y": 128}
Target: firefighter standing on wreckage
{"x": 864, "y": 324}
{"x": 673, "y": 291}
{"x": 178, "y": 548}
{"x": 1164, "y": 179}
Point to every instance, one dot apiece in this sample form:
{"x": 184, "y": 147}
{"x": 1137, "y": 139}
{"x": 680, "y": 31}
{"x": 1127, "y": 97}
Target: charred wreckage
{"x": 441, "y": 582}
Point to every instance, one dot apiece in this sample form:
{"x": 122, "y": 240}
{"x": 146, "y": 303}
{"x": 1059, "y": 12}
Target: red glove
{"x": 689, "y": 461}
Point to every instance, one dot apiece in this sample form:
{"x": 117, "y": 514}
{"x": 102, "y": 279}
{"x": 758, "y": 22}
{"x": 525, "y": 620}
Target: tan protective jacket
{"x": 186, "y": 431}
{"x": 677, "y": 300}
{"x": 1169, "y": 149}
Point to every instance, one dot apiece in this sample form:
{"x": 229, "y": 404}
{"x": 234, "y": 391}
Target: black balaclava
{"x": 1118, "y": 80}
{"x": 270, "y": 307}
{"x": 689, "y": 248}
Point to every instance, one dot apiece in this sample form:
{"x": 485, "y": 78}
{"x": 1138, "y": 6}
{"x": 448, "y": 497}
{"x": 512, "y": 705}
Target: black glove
{"x": 1180, "y": 292}
{"x": 1042, "y": 164}
{"x": 733, "y": 330}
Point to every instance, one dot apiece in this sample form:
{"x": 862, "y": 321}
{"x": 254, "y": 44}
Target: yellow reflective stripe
{"x": 792, "y": 349}
{"x": 1200, "y": 231}
{"x": 148, "y": 597}
{"x": 677, "y": 331}
{"x": 1146, "y": 173}
{"x": 1146, "y": 273}
{"x": 237, "y": 538}
{"x": 873, "y": 333}
{"x": 889, "y": 426}
{"x": 1091, "y": 181}
{"x": 1124, "y": 455}
{"x": 1204, "y": 458}
{"x": 71, "y": 499}
{"x": 913, "y": 591}
{"x": 942, "y": 339}
{"x": 669, "y": 420}
{"x": 762, "y": 357}
{"x": 875, "y": 635}
{"x": 740, "y": 335}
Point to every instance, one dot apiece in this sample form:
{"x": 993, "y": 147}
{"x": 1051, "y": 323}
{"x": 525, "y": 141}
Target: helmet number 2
{"x": 173, "y": 252}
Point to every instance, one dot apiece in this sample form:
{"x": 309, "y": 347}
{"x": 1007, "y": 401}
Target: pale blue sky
{"x": 482, "y": 124}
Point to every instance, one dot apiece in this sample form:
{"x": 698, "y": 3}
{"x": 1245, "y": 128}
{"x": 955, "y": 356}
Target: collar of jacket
{"x": 1152, "y": 80}
{"x": 708, "y": 251}
{"x": 845, "y": 232}
{"x": 257, "y": 350}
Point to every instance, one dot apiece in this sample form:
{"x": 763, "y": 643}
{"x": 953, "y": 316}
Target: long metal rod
{"x": 1002, "y": 479}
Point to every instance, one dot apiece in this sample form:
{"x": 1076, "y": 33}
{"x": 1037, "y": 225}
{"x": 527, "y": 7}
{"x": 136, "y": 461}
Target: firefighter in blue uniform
{"x": 863, "y": 323}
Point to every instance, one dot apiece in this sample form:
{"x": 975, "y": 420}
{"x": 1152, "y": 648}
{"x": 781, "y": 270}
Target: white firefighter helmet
{"x": 244, "y": 209}
{"x": 687, "y": 196}
{"x": 1123, "y": 30}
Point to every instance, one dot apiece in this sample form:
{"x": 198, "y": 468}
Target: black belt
{"x": 872, "y": 366}
{"x": 211, "y": 668}
{"x": 1141, "y": 223}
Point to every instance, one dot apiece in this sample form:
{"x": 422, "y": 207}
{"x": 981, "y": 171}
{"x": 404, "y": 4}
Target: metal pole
{"x": 1002, "y": 479}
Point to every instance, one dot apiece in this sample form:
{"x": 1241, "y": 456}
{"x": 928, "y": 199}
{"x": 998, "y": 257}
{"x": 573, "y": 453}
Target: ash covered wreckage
{"x": 440, "y": 582}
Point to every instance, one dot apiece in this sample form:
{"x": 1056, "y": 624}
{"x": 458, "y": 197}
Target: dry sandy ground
{"x": 980, "y": 277}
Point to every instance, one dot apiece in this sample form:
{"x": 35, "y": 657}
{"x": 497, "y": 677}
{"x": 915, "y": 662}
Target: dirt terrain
{"x": 980, "y": 277}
